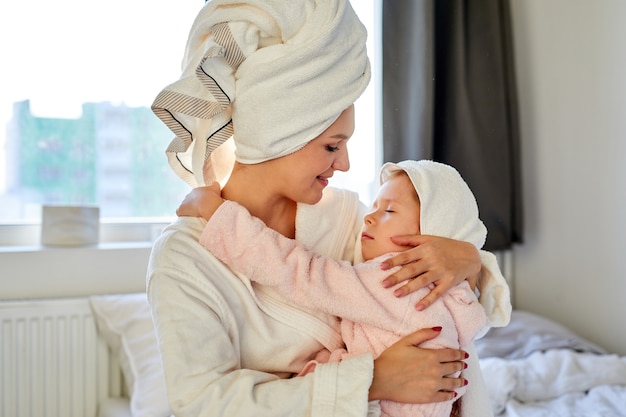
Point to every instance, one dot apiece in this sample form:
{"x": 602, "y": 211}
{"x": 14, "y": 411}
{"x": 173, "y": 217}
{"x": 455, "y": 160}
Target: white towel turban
{"x": 448, "y": 206}
{"x": 276, "y": 73}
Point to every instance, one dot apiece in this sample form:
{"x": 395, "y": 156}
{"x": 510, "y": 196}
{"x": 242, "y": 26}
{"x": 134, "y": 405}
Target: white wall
{"x": 571, "y": 68}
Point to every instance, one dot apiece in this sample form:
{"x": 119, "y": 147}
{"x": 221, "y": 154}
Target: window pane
{"x": 74, "y": 108}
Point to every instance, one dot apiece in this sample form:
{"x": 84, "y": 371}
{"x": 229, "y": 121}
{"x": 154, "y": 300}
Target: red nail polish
{"x": 465, "y": 382}
{"x": 465, "y": 366}
{"x": 437, "y": 328}
{"x": 466, "y": 355}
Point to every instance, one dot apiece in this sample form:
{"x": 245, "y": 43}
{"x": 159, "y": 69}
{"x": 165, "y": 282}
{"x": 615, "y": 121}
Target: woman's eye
{"x": 390, "y": 211}
{"x": 332, "y": 148}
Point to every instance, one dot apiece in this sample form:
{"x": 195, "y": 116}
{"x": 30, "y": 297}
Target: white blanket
{"x": 557, "y": 382}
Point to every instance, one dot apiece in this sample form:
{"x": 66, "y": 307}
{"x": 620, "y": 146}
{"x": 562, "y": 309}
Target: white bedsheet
{"x": 566, "y": 377}
{"x": 557, "y": 383}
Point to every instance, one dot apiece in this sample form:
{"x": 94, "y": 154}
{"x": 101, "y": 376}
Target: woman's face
{"x": 395, "y": 212}
{"x": 303, "y": 175}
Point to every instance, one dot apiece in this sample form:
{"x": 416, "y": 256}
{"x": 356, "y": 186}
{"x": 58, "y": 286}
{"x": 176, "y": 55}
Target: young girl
{"x": 415, "y": 197}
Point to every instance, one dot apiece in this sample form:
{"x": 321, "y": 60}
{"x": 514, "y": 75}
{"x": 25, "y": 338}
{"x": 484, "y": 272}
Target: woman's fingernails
{"x": 384, "y": 266}
{"x": 386, "y": 284}
{"x": 465, "y": 366}
{"x": 466, "y": 355}
{"x": 420, "y": 307}
{"x": 437, "y": 328}
{"x": 399, "y": 292}
{"x": 465, "y": 382}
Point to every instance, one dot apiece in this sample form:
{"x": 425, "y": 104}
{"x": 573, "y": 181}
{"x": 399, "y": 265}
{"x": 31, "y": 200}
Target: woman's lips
{"x": 323, "y": 181}
{"x": 365, "y": 236}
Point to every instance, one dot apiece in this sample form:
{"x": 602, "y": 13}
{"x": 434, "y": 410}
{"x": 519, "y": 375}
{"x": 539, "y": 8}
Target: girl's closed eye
{"x": 330, "y": 148}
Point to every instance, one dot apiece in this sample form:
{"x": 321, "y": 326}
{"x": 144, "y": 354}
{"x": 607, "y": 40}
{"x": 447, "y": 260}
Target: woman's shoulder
{"x": 181, "y": 230}
{"x": 177, "y": 258}
{"x": 177, "y": 243}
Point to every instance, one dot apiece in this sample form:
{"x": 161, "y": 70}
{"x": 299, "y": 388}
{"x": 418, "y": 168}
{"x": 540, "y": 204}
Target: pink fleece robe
{"x": 372, "y": 317}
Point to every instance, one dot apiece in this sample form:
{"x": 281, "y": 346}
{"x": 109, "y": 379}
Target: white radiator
{"x": 53, "y": 364}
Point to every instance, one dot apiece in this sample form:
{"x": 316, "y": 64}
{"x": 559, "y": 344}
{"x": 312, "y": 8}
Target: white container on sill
{"x": 70, "y": 225}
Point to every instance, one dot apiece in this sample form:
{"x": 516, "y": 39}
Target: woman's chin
{"x": 312, "y": 200}
{"x": 314, "y": 195}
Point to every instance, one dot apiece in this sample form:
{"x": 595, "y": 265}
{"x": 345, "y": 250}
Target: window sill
{"x": 112, "y": 267}
{"x": 131, "y": 230}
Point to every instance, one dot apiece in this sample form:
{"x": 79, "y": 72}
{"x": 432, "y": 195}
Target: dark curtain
{"x": 449, "y": 95}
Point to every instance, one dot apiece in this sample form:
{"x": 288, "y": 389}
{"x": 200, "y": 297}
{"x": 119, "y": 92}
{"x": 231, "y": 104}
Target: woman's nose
{"x": 368, "y": 219}
{"x": 342, "y": 162}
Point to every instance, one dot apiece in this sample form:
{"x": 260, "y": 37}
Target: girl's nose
{"x": 368, "y": 219}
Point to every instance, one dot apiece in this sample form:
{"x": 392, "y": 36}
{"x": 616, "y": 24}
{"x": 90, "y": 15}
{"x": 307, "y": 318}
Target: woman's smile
{"x": 323, "y": 180}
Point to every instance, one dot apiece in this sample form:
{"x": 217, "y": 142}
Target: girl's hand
{"x": 409, "y": 374}
{"x": 201, "y": 202}
{"x": 432, "y": 260}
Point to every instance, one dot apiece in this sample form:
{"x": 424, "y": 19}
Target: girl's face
{"x": 395, "y": 212}
{"x": 303, "y": 175}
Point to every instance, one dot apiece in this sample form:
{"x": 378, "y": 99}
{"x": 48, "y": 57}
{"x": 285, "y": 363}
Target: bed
{"x": 96, "y": 356}
{"x": 537, "y": 368}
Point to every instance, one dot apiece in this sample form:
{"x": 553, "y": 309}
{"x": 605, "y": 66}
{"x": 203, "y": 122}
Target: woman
{"x": 282, "y": 76}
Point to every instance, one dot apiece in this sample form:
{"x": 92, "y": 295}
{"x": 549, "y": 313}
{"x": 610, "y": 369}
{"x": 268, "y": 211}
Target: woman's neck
{"x": 249, "y": 187}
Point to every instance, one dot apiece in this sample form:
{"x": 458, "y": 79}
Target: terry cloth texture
{"x": 273, "y": 74}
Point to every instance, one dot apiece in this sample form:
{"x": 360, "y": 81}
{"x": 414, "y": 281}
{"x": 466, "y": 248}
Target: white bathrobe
{"x": 229, "y": 349}
{"x": 229, "y": 346}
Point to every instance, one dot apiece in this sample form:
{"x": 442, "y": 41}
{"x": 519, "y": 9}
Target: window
{"x": 365, "y": 145}
{"x": 75, "y": 107}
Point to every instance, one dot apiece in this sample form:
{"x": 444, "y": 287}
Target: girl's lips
{"x": 365, "y": 236}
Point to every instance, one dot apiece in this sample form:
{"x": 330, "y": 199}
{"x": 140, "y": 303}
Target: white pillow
{"x": 125, "y": 322}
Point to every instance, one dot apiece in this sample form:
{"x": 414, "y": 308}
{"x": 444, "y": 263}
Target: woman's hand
{"x": 432, "y": 260}
{"x": 201, "y": 202}
{"x": 409, "y": 374}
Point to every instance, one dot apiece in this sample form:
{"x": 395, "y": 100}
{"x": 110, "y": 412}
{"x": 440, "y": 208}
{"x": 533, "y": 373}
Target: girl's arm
{"x": 432, "y": 260}
{"x": 246, "y": 245}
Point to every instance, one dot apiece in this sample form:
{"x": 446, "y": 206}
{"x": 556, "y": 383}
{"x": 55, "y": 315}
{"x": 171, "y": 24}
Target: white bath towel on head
{"x": 275, "y": 73}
